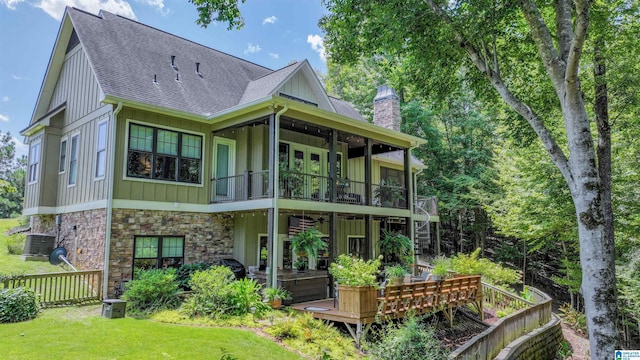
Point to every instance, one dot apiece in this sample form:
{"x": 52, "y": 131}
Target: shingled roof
{"x": 133, "y": 61}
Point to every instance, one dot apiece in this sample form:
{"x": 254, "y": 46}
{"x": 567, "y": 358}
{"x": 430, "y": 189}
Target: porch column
{"x": 333, "y": 163}
{"x": 272, "y": 237}
{"x": 367, "y": 172}
{"x": 368, "y": 233}
{"x": 333, "y": 238}
{"x": 408, "y": 183}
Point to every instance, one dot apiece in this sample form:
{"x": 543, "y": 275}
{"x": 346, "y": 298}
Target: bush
{"x": 151, "y": 291}
{"x": 185, "y": 271}
{"x": 408, "y": 340}
{"x": 19, "y": 304}
{"x": 245, "y": 295}
{"x": 211, "y": 292}
{"x": 491, "y": 272}
{"x": 15, "y": 244}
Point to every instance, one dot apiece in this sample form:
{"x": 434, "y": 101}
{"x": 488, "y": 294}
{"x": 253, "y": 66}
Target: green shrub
{"x": 491, "y": 272}
{"x": 185, "y": 271}
{"x": 408, "y": 340}
{"x": 211, "y": 293}
{"x": 245, "y": 295}
{"x": 151, "y": 291}
{"x": 15, "y": 244}
{"x": 18, "y": 304}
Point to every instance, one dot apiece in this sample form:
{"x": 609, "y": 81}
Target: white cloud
{"x": 5, "y": 98}
{"x": 159, "y": 4}
{"x": 4, "y": 117}
{"x": 55, "y": 8}
{"x": 317, "y": 44}
{"x": 274, "y": 55}
{"x": 16, "y": 77}
{"x": 269, "y": 20}
{"x": 252, "y": 49}
{"x": 11, "y": 4}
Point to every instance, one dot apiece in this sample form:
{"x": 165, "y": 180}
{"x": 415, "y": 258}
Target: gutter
{"x": 276, "y": 195}
{"x": 107, "y": 240}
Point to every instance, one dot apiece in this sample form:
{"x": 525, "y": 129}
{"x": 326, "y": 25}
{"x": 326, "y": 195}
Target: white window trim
{"x": 76, "y": 134}
{"x": 38, "y": 164}
{"x": 66, "y": 155}
{"x": 126, "y": 152}
{"x": 97, "y": 177}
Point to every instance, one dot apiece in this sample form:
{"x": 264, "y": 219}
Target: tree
{"x": 12, "y": 177}
{"x": 493, "y": 37}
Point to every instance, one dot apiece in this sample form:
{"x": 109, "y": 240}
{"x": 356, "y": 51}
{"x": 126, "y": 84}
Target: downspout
{"x": 107, "y": 240}
{"x": 276, "y": 195}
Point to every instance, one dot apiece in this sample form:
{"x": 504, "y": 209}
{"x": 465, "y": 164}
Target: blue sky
{"x": 276, "y": 32}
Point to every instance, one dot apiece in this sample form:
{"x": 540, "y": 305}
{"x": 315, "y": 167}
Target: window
{"x": 164, "y": 154}
{"x": 34, "y": 162}
{"x": 393, "y": 175}
{"x": 63, "y": 156}
{"x": 101, "y": 150}
{"x": 158, "y": 252}
{"x": 73, "y": 159}
{"x": 358, "y": 247}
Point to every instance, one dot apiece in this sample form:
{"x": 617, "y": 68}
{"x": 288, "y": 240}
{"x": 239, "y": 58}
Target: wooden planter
{"x": 358, "y": 300}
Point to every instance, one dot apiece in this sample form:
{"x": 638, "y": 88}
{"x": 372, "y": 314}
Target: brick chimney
{"x": 386, "y": 108}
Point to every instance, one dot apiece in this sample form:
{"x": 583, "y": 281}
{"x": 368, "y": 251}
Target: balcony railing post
{"x": 247, "y": 184}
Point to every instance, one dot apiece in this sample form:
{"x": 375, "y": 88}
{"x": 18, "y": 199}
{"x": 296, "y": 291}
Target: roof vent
{"x": 173, "y": 62}
{"x": 155, "y": 80}
{"x": 198, "y": 69}
{"x": 177, "y": 76}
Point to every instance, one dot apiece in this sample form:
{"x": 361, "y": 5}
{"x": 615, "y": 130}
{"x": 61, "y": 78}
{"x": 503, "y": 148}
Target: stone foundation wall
{"x": 82, "y": 233}
{"x": 207, "y": 237}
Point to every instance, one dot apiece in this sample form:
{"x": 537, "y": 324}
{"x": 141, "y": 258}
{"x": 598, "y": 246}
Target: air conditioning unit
{"x": 38, "y": 244}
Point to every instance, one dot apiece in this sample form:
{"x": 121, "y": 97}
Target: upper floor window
{"x": 101, "y": 150}
{"x": 34, "y": 162}
{"x": 63, "y": 156}
{"x": 73, "y": 159}
{"x": 156, "y": 153}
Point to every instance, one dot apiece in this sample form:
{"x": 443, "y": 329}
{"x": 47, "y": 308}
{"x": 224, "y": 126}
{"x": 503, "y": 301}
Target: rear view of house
{"x": 148, "y": 151}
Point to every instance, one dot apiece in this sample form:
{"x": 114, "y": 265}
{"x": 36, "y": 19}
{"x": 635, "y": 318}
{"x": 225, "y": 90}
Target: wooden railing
{"x": 430, "y": 296}
{"x": 61, "y": 288}
{"x": 489, "y": 343}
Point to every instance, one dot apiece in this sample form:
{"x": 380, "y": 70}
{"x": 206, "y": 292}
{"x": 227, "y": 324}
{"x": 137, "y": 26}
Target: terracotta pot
{"x": 275, "y": 304}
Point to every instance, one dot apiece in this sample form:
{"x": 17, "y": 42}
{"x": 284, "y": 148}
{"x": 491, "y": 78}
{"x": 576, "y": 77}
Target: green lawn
{"x": 81, "y": 333}
{"x": 13, "y": 264}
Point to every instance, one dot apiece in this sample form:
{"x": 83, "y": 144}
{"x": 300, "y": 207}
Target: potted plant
{"x": 388, "y": 193}
{"x": 307, "y": 244}
{"x": 395, "y": 246}
{"x": 357, "y": 284}
{"x": 440, "y": 269}
{"x": 395, "y": 274}
{"x": 275, "y": 295}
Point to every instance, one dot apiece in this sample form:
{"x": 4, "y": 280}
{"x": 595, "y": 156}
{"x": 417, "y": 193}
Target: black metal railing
{"x": 247, "y": 186}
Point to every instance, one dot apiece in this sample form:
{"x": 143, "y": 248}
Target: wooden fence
{"x": 61, "y": 288}
{"x": 532, "y": 315}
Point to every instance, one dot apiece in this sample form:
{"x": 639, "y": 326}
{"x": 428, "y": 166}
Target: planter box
{"x": 358, "y": 300}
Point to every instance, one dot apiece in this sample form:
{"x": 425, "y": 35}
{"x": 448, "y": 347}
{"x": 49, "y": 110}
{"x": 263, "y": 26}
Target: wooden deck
{"x": 396, "y": 301}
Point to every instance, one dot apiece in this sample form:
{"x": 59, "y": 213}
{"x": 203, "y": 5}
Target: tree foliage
{"x": 12, "y": 178}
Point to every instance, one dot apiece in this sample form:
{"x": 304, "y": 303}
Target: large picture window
{"x": 158, "y": 252}
{"x": 162, "y": 154}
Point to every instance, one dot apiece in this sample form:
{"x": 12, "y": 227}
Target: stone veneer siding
{"x": 207, "y": 237}
{"x": 386, "y": 113}
{"x": 82, "y": 233}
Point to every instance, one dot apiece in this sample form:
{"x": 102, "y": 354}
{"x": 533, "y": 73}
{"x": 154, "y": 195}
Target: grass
{"x": 81, "y": 333}
{"x": 13, "y": 264}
